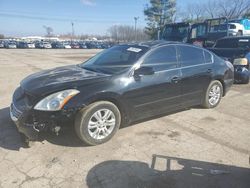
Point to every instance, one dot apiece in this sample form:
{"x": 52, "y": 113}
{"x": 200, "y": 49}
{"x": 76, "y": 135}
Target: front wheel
{"x": 97, "y": 123}
{"x": 213, "y": 94}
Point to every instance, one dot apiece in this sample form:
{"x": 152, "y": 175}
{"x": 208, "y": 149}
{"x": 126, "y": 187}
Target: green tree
{"x": 1, "y": 36}
{"x": 247, "y": 15}
{"x": 158, "y": 13}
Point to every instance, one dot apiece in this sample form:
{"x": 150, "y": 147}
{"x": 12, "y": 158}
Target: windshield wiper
{"x": 90, "y": 69}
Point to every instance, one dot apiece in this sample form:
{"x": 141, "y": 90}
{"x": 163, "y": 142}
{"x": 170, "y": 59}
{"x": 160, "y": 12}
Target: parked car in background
{"x": 30, "y": 45}
{"x": 66, "y": 45}
{"x": 237, "y": 51}
{"x": 39, "y": 44}
{"x": 125, "y": 83}
{"x": 239, "y": 27}
{"x": 26, "y": 45}
{"x": 90, "y": 45}
{"x": 83, "y": 45}
{"x": 75, "y": 45}
{"x": 57, "y": 45}
{"x": 47, "y": 45}
{"x": 43, "y": 45}
{"x": 10, "y": 45}
{"x": 1, "y": 44}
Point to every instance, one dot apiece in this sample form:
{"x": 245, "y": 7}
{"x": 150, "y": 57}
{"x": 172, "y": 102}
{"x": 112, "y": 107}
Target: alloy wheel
{"x": 214, "y": 95}
{"x": 101, "y": 124}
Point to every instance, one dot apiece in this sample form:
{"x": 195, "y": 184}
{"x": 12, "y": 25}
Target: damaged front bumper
{"x": 25, "y": 129}
{"x": 30, "y": 123}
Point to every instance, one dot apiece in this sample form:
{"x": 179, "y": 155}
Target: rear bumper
{"x": 241, "y": 77}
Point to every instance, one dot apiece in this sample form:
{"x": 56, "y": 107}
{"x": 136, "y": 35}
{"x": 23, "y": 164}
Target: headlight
{"x": 56, "y": 101}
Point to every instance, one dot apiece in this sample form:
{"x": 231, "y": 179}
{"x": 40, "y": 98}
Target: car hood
{"x": 68, "y": 77}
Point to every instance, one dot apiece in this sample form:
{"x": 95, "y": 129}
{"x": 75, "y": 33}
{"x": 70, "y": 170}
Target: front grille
{"x": 15, "y": 112}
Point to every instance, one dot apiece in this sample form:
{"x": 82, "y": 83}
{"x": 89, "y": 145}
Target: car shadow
{"x": 167, "y": 172}
{"x": 9, "y": 136}
{"x": 157, "y": 116}
{"x": 11, "y": 139}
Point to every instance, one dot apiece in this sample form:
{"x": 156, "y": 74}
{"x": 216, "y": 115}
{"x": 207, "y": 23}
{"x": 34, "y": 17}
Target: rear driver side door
{"x": 197, "y": 70}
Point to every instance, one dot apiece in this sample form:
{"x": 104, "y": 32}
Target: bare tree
{"x": 49, "y": 30}
{"x": 125, "y": 33}
{"x": 196, "y": 12}
{"x": 211, "y": 9}
{"x": 233, "y": 8}
{"x": 227, "y": 8}
{"x": 217, "y": 8}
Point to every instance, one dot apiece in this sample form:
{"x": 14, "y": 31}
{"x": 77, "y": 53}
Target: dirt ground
{"x": 192, "y": 148}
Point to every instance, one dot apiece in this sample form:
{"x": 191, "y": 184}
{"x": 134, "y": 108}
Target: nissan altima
{"x": 120, "y": 85}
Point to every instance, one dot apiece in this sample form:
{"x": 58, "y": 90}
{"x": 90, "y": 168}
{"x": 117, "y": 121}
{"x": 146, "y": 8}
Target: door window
{"x": 189, "y": 56}
{"x": 163, "y": 58}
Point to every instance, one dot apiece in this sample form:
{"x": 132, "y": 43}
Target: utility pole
{"x": 73, "y": 32}
{"x": 136, "y": 19}
{"x": 162, "y": 19}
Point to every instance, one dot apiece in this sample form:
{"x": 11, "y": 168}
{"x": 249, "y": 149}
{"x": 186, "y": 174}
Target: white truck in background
{"x": 239, "y": 27}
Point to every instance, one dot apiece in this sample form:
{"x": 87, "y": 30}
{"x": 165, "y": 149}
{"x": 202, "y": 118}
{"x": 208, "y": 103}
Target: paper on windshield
{"x": 132, "y": 49}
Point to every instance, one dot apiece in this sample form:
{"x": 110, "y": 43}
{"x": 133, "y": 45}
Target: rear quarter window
{"x": 208, "y": 57}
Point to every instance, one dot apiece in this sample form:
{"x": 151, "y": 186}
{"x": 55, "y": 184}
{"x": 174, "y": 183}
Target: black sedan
{"x": 120, "y": 85}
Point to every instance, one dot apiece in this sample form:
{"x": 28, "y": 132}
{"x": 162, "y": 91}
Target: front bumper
{"x": 25, "y": 129}
{"x": 31, "y": 123}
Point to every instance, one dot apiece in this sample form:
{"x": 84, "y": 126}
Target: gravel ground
{"x": 192, "y": 148}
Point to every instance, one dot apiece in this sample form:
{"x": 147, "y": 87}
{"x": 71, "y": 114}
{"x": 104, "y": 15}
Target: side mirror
{"x": 144, "y": 71}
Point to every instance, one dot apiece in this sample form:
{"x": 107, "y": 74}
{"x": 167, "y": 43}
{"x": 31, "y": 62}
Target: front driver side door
{"x": 158, "y": 93}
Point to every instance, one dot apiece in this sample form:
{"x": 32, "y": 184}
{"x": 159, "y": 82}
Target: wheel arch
{"x": 113, "y": 98}
{"x": 223, "y": 85}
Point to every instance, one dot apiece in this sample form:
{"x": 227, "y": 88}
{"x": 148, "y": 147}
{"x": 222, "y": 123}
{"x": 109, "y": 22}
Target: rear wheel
{"x": 213, "y": 94}
{"x": 98, "y": 123}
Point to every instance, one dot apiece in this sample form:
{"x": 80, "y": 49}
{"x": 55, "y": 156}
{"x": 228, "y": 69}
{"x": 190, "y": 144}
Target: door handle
{"x": 209, "y": 70}
{"x": 175, "y": 79}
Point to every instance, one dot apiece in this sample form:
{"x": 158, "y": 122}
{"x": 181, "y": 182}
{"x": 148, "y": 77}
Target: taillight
{"x": 241, "y": 61}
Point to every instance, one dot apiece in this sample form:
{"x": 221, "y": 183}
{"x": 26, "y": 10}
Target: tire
{"x": 239, "y": 33}
{"x": 246, "y": 81}
{"x": 94, "y": 132}
{"x": 207, "y": 101}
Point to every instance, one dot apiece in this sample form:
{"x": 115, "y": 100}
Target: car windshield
{"x": 116, "y": 59}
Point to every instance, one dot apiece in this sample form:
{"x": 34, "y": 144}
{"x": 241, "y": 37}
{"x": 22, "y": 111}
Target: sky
{"x": 27, "y": 17}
